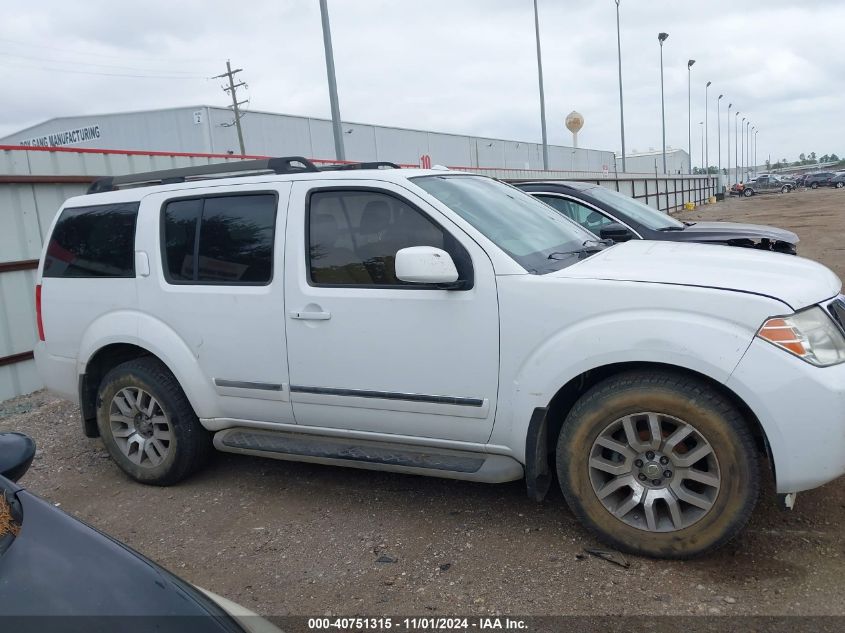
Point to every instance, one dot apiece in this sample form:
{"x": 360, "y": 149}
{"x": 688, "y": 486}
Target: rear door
{"x": 368, "y": 352}
{"x": 216, "y": 279}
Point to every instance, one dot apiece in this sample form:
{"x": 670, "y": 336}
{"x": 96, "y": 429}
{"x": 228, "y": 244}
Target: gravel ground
{"x": 299, "y": 539}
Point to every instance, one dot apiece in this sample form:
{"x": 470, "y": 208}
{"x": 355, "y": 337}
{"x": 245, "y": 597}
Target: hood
{"x": 796, "y": 281}
{"x": 59, "y": 566}
{"x": 719, "y": 231}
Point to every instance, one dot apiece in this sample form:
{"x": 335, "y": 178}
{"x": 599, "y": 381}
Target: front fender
{"x": 155, "y": 336}
{"x": 700, "y": 343}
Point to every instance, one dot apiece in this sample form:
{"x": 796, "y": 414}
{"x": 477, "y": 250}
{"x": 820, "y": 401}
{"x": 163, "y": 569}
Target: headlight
{"x": 810, "y": 335}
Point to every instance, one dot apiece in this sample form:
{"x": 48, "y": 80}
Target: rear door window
{"x": 220, "y": 239}
{"x": 93, "y": 241}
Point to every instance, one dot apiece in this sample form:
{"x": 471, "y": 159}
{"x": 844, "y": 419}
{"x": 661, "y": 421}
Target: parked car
{"x": 613, "y": 215}
{"x": 53, "y": 566}
{"x": 441, "y": 323}
{"x": 819, "y": 179}
{"x": 837, "y": 181}
{"x": 767, "y": 184}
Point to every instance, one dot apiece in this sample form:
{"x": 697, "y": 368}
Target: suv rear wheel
{"x": 658, "y": 463}
{"x": 747, "y": 192}
{"x": 148, "y": 425}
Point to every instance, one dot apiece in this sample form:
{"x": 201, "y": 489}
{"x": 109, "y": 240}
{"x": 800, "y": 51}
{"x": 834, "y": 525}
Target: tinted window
{"x": 180, "y": 234}
{"x": 354, "y": 236}
{"x": 97, "y": 241}
{"x": 589, "y": 218}
{"x": 233, "y": 243}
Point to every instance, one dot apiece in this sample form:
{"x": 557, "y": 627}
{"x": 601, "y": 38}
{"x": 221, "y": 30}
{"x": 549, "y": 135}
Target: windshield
{"x": 532, "y": 233}
{"x": 636, "y": 210}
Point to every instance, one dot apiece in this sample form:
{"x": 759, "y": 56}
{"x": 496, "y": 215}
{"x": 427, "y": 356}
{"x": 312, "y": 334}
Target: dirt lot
{"x": 285, "y": 538}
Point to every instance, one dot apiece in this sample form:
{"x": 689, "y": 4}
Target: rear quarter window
{"x": 94, "y": 241}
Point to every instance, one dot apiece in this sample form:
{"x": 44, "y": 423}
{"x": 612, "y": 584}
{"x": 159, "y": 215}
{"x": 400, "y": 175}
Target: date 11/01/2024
{"x": 417, "y": 624}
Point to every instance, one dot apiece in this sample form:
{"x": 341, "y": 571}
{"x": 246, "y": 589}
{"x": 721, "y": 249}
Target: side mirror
{"x": 616, "y": 232}
{"x": 16, "y": 453}
{"x": 425, "y": 265}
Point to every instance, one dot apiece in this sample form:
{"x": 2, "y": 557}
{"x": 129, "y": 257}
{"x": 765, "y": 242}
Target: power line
{"x": 102, "y": 74}
{"x": 232, "y": 89}
{"x": 100, "y": 53}
{"x": 75, "y": 63}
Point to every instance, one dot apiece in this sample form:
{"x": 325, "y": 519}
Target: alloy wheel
{"x": 654, "y": 472}
{"x": 140, "y": 427}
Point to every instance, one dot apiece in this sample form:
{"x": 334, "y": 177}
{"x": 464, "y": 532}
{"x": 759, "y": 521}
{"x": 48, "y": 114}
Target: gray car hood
{"x": 737, "y": 230}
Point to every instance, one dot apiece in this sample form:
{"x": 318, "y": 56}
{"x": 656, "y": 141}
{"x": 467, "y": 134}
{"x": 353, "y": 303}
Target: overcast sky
{"x": 465, "y": 66}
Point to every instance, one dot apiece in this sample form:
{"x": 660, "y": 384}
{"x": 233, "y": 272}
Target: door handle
{"x": 310, "y": 316}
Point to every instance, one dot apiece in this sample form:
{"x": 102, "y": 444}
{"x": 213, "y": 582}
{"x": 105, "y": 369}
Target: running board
{"x": 370, "y": 455}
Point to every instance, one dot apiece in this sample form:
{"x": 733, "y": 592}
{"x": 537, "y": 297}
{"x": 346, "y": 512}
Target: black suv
{"x": 819, "y": 179}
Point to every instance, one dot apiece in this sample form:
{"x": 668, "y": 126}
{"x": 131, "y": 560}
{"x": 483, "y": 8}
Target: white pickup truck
{"x": 446, "y": 324}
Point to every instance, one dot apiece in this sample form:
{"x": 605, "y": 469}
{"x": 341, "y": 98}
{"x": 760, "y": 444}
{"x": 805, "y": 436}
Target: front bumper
{"x": 802, "y": 411}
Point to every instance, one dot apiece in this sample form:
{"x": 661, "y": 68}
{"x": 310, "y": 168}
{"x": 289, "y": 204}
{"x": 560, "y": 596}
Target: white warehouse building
{"x": 209, "y": 129}
{"x": 677, "y": 162}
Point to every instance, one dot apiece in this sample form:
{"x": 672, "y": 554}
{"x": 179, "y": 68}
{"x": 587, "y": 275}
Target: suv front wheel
{"x": 658, "y": 463}
{"x": 147, "y": 424}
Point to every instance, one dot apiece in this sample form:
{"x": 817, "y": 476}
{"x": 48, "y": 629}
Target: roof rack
{"x": 282, "y": 165}
{"x": 379, "y": 164}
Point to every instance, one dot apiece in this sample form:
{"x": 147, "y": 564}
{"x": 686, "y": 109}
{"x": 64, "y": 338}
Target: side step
{"x": 370, "y": 455}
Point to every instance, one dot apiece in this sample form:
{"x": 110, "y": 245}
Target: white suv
{"x": 445, "y": 324}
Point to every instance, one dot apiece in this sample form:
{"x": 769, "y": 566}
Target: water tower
{"x": 574, "y": 123}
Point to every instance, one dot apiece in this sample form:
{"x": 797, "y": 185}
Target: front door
{"x": 368, "y": 352}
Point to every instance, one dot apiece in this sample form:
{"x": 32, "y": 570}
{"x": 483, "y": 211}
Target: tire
{"x": 670, "y": 399}
{"x": 815, "y": 185}
{"x": 784, "y": 189}
{"x": 839, "y": 185}
{"x": 747, "y": 192}
{"x": 161, "y": 448}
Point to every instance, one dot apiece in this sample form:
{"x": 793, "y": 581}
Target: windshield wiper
{"x": 589, "y": 248}
{"x": 673, "y": 228}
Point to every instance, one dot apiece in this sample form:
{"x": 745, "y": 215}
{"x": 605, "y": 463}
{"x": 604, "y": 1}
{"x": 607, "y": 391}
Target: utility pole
{"x": 706, "y": 131}
{"x": 719, "y": 133}
{"x": 689, "y": 110}
{"x": 730, "y": 105}
{"x": 339, "y": 151}
{"x": 232, "y": 89}
{"x": 661, "y": 37}
{"x": 621, "y": 108}
{"x": 542, "y": 92}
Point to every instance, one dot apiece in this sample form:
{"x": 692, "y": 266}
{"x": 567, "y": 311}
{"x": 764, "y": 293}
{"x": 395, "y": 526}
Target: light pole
{"x": 730, "y": 105}
{"x": 542, "y": 95}
{"x": 742, "y": 153}
{"x": 748, "y": 148}
{"x": 736, "y": 144}
{"x": 661, "y": 37}
{"x": 621, "y": 107}
{"x": 751, "y": 151}
{"x": 756, "y": 132}
{"x": 689, "y": 110}
{"x": 701, "y": 123}
{"x": 719, "y": 133}
{"x": 340, "y": 154}
{"x": 706, "y": 130}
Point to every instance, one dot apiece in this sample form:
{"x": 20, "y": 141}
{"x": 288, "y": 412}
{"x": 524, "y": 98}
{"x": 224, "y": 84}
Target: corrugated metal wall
{"x": 35, "y": 182}
{"x": 205, "y": 129}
